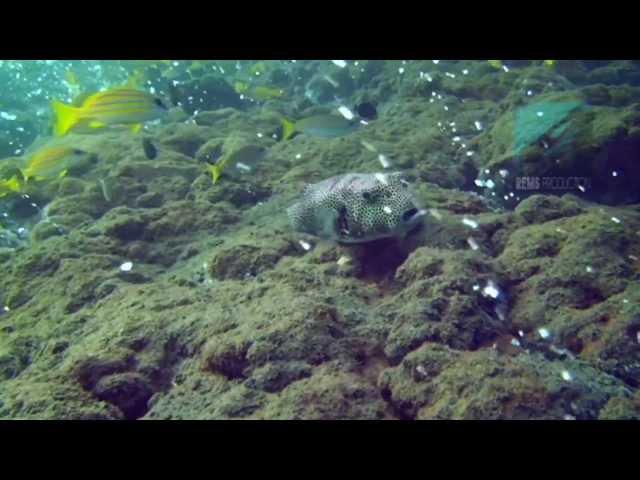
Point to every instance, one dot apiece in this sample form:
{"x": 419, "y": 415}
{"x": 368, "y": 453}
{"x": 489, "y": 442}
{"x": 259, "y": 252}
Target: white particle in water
{"x": 384, "y": 161}
{"x": 521, "y": 333}
{"x": 489, "y": 184}
{"x": 260, "y": 135}
{"x": 401, "y": 70}
{"x": 305, "y": 245}
{"x": 476, "y": 288}
{"x": 436, "y": 61}
{"x": 8, "y": 116}
{"x": 345, "y": 112}
{"x": 387, "y": 209}
{"x": 339, "y": 63}
{"x": 491, "y": 290}
{"x": 469, "y": 153}
{"x": 581, "y": 188}
{"x": 566, "y": 375}
{"x": 503, "y": 173}
{"x": 543, "y": 332}
{"x": 515, "y": 342}
{"x": 126, "y": 267}
{"x": 529, "y": 92}
{"x": 298, "y": 156}
{"x": 615, "y": 219}
{"x": 638, "y": 336}
{"x": 469, "y": 223}
{"x": 446, "y": 108}
{"x": 6, "y": 308}
{"x": 614, "y": 174}
{"x": 478, "y": 125}
{"x": 540, "y": 114}
{"x": 456, "y": 139}
{"x": 465, "y": 72}
{"x": 343, "y": 260}
{"x": 472, "y": 243}
{"x": 568, "y": 417}
{"x": 479, "y": 182}
{"x": 589, "y": 269}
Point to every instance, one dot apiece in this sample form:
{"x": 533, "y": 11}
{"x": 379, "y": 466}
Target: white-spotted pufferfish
{"x": 357, "y": 208}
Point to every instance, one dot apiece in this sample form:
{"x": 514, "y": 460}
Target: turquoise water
{"x": 325, "y": 239}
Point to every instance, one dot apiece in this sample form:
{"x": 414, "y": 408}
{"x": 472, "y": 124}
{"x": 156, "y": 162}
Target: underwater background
{"x": 320, "y": 239}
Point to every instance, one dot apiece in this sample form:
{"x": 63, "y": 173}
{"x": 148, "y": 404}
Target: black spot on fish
{"x": 150, "y": 150}
{"x": 367, "y": 111}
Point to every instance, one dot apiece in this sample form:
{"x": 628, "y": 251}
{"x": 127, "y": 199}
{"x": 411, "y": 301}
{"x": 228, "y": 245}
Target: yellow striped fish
{"x": 118, "y": 106}
{"x": 10, "y": 186}
{"x": 51, "y": 162}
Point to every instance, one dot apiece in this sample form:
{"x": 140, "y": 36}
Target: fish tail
{"x": 216, "y": 171}
{"x": 14, "y": 184}
{"x": 288, "y": 129}
{"x": 66, "y": 117}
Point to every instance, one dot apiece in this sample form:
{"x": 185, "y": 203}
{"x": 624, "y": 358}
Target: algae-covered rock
{"x": 436, "y": 382}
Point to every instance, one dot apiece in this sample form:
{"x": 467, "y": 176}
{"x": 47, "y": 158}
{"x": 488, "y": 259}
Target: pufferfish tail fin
{"x": 66, "y": 117}
{"x": 216, "y": 170}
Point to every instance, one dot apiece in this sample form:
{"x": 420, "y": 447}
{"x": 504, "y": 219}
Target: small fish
{"x": 260, "y": 93}
{"x": 244, "y": 158}
{"x": 323, "y": 126}
{"x": 13, "y": 185}
{"x": 149, "y": 148}
{"x": 51, "y": 162}
{"x": 357, "y": 208}
{"x": 118, "y": 106}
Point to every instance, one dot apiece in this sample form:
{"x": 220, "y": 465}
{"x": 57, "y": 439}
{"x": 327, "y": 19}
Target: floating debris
{"x": 469, "y": 223}
{"x": 491, "y": 290}
{"x": 343, "y": 260}
{"x": 126, "y": 267}
{"x": 346, "y": 113}
{"x": 305, "y": 245}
